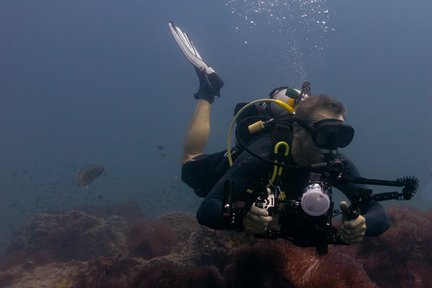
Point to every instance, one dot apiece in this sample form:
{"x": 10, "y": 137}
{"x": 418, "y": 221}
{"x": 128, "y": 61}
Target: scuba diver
{"x": 276, "y": 181}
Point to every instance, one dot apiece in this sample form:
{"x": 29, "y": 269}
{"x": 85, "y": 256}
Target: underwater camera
{"x": 307, "y": 219}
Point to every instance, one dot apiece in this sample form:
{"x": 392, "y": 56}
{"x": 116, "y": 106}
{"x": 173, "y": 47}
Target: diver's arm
{"x": 245, "y": 170}
{"x": 377, "y": 220}
{"x": 210, "y": 211}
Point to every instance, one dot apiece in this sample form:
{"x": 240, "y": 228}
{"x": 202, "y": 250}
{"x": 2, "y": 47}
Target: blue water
{"x": 84, "y": 82}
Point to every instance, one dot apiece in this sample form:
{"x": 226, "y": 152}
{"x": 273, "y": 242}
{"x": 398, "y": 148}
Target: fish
{"x": 88, "y": 174}
{"x": 160, "y": 147}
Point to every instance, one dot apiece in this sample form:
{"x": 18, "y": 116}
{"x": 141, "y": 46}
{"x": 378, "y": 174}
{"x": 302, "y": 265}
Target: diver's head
{"x": 319, "y": 129}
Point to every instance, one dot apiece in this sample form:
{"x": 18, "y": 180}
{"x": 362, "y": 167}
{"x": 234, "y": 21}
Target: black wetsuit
{"x": 247, "y": 169}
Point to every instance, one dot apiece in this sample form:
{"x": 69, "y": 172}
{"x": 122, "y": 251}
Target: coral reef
{"x": 90, "y": 248}
{"x": 282, "y": 264}
{"x": 61, "y": 237}
{"x": 257, "y": 266}
{"x": 150, "y": 238}
{"x": 183, "y": 224}
{"x": 166, "y": 275}
{"x": 394, "y": 256}
{"x": 307, "y": 269}
{"x": 108, "y": 273}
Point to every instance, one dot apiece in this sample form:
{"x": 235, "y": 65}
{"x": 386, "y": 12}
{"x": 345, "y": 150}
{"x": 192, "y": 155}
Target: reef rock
{"x": 80, "y": 248}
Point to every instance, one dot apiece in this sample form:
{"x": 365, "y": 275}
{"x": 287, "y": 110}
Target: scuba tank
{"x": 257, "y": 115}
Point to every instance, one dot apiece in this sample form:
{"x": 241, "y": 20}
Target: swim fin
{"x": 210, "y": 81}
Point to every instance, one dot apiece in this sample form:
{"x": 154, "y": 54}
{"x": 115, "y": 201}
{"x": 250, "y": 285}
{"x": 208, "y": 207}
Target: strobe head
{"x": 410, "y": 186}
{"x": 315, "y": 202}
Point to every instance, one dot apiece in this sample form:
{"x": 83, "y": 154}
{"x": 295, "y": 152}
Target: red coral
{"x": 409, "y": 240}
{"x": 258, "y": 266}
{"x": 421, "y": 274}
{"x": 305, "y": 268}
{"x": 150, "y": 238}
{"x": 281, "y": 264}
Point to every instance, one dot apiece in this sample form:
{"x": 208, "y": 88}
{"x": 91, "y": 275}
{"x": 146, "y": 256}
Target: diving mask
{"x": 329, "y": 133}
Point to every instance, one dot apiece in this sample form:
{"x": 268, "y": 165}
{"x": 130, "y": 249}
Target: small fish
{"x": 160, "y": 147}
{"x": 88, "y": 174}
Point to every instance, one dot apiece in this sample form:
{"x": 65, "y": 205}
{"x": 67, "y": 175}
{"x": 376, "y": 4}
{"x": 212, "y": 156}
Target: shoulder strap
{"x": 281, "y": 138}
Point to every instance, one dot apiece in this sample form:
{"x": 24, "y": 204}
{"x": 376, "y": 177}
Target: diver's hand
{"x": 256, "y": 220}
{"x": 352, "y": 231}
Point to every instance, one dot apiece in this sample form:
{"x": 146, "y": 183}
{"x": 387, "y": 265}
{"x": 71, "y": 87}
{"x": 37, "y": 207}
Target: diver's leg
{"x": 198, "y": 132}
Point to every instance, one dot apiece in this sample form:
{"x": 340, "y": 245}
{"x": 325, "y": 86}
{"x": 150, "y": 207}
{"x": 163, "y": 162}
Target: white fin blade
{"x": 188, "y": 49}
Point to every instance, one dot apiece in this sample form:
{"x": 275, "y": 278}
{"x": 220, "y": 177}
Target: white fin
{"x": 188, "y": 48}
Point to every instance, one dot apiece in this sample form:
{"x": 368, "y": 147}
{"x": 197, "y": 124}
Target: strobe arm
{"x": 409, "y": 184}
